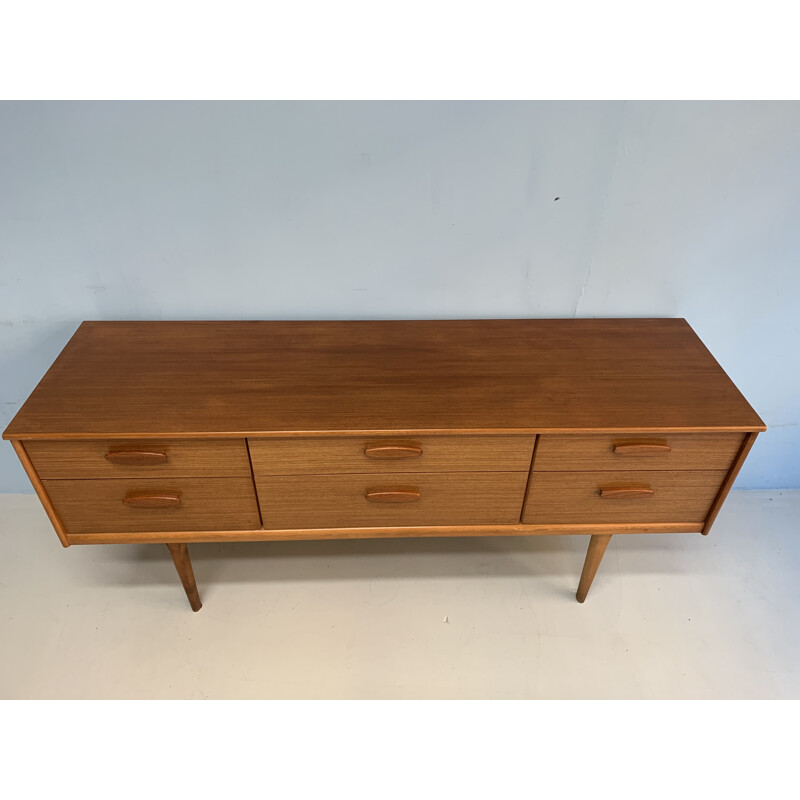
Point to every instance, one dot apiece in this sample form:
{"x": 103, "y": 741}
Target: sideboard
{"x": 181, "y": 432}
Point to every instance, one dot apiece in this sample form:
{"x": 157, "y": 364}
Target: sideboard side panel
{"x": 41, "y": 492}
{"x": 749, "y": 440}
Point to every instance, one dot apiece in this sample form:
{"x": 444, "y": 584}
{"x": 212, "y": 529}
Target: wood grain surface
{"x": 391, "y": 532}
{"x": 686, "y": 451}
{"x": 727, "y": 484}
{"x": 98, "y": 506}
{"x": 573, "y": 497}
{"x": 333, "y": 501}
{"x": 41, "y": 492}
{"x": 230, "y": 379}
{"x": 183, "y": 564}
{"x": 193, "y": 458}
{"x": 325, "y": 455}
{"x": 594, "y": 555}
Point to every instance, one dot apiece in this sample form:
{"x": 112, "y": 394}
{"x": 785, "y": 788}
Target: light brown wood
{"x": 624, "y": 492}
{"x": 136, "y": 458}
{"x": 145, "y": 432}
{"x": 392, "y": 451}
{"x": 573, "y": 497}
{"x": 618, "y": 452}
{"x": 594, "y": 555}
{"x": 152, "y": 500}
{"x": 320, "y": 456}
{"x": 380, "y": 494}
{"x": 98, "y": 506}
{"x": 230, "y": 379}
{"x": 215, "y": 458}
{"x": 432, "y": 531}
{"x": 41, "y": 492}
{"x": 180, "y": 557}
{"x": 641, "y": 448}
{"x": 331, "y": 501}
{"x": 727, "y": 484}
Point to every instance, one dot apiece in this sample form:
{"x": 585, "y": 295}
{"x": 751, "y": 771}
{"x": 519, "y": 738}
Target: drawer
{"x": 109, "y": 458}
{"x": 390, "y": 500}
{"x": 623, "y": 452}
{"x": 155, "y": 504}
{"x": 625, "y": 497}
{"x": 383, "y": 454}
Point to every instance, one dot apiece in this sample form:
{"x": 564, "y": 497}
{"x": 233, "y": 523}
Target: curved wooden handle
{"x": 136, "y": 458}
{"x": 152, "y": 500}
{"x": 392, "y": 495}
{"x": 621, "y": 492}
{"x": 392, "y": 451}
{"x": 641, "y": 448}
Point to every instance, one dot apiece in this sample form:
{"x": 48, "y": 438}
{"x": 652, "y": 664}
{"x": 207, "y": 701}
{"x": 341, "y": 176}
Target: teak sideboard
{"x": 179, "y": 432}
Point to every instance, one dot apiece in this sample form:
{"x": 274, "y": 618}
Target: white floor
{"x": 669, "y": 616}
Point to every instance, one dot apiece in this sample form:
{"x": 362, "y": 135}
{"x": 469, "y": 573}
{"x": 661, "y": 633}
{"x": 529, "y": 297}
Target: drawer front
{"x": 636, "y": 452}
{"x": 383, "y": 454}
{"x": 625, "y": 497}
{"x": 152, "y": 458}
{"x": 156, "y": 504}
{"x": 395, "y": 499}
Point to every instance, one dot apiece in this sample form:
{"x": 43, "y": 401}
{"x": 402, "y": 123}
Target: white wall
{"x": 403, "y": 210}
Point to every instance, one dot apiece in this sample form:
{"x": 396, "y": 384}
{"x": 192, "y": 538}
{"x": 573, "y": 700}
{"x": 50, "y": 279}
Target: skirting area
{"x": 669, "y": 615}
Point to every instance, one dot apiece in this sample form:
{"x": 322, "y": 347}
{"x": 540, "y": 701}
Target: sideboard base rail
{"x": 380, "y": 533}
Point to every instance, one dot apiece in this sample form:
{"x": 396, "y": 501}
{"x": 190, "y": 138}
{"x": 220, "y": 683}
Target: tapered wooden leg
{"x": 594, "y": 555}
{"x": 180, "y": 555}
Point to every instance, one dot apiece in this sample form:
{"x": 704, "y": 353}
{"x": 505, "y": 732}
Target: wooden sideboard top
{"x": 184, "y": 379}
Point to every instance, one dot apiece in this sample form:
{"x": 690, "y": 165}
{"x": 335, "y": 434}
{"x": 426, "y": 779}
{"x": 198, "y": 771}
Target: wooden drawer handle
{"x": 399, "y": 495}
{"x": 393, "y": 451}
{"x": 152, "y": 500}
{"x": 620, "y": 492}
{"x": 136, "y": 458}
{"x": 641, "y": 448}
